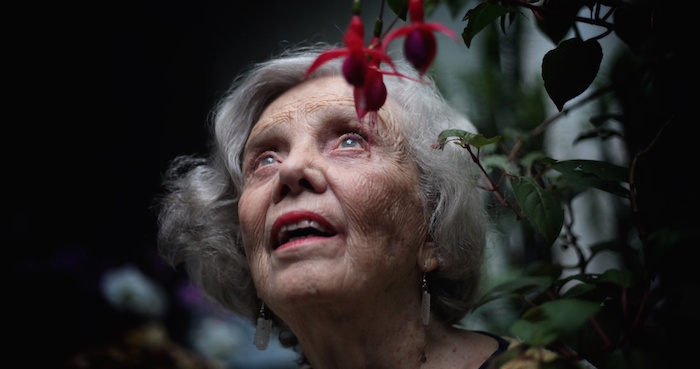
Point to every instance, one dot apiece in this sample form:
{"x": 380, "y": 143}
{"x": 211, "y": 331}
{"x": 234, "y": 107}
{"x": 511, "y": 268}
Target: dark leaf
{"x": 620, "y": 277}
{"x": 541, "y": 208}
{"x": 399, "y": 7}
{"x": 536, "y": 157}
{"x": 598, "y": 133}
{"x": 466, "y": 138}
{"x": 633, "y": 24}
{"x": 542, "y": 269}
{"x": 570, "y": 68}
{"x": 491, "y": 162}
{"x": 543, "y": 324}
{"x": 579, "y": 290}
{"x": 599, "y": 169}
{"x": 556, "y": 17}
{"x": 516, "y": 287}
{"x": 591, "y": 173}
{"x": 482, "y": 16}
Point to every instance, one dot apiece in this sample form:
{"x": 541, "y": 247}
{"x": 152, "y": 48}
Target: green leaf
{"x": 458, "y": 133}
{"x": 542, "y": 269}
{"x": 570, "y": 68}
{"x": 480, "y": 140}
{"x": 399, "y": 7}
{"x": 543, "y": 324}
{"x": 491, "y": 162}
{"x": 620, "y": 277}
{"x": 579, "y": 290}
{"x": 466, "y": 138}
{"x": 534, "y": 157}
{"x": 592, "y": 173}
{"x": 515, "y": 287}
{"x": 599, "y": 169}
{"x": 541, "y": 208}
{"x": 482, "y": 16}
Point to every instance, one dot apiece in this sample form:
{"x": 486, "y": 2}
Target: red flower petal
{"x": 416, "y": 11}
{"x": 354, "y": 37}
{"x": 323, "y": 58}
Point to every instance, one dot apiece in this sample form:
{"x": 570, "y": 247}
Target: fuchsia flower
{"x": 357, "y": 56}
{"x": 371, "y": 95}
{"x": 360, "y": 67}
{"x": 420, "y": 46}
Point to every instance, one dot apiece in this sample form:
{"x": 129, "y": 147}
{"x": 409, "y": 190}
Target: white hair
{"x": 198, "y": 213}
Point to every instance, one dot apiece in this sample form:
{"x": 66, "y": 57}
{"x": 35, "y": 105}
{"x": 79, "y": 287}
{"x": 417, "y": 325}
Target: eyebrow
{"x": 323, "y": 113}
{"x": 262, "y": 136}
{"x": 337, "y": 113}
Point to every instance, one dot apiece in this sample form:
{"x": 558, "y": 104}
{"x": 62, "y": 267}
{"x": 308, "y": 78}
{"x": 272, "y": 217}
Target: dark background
{"x": 101, "y": 96}
{"x": 98, "y": 97}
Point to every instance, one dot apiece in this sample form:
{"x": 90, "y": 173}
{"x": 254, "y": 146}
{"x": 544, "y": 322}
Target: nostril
{"x": 284, "y": 191}
{"x": 302, "y": 184}
{"x": 297, "y": 174}
{"x": 305, "y": 183}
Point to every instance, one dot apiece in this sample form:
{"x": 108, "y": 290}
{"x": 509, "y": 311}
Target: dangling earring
{"x": 262, "y": 330}
{"x": 425, "y": 304}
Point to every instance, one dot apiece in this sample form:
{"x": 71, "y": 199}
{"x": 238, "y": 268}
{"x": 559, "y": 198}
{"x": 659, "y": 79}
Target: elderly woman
{"x": 359, "y": 244}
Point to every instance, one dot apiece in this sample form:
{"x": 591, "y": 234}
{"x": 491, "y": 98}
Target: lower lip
{"x": 301, "y": 242}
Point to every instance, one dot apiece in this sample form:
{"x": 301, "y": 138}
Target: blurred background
{"x": 103, "y": 96}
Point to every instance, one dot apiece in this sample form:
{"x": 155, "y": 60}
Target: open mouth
{"x": 300, "y": 230}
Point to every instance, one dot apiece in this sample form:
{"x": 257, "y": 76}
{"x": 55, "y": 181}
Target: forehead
{"x": 331, "y": 94}
{"x": 305, "y": 99}
{"x": 332, "y": 89}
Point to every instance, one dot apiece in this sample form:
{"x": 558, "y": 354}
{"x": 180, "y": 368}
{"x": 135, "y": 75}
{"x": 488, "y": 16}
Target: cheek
{"x": 251, "y": 213}
{"x": 387, "y": 203}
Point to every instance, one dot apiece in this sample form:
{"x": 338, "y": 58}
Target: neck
{"x": 389, "y": 347}
{"x": 407, "y": 345}
{"x": 381, "y": 337}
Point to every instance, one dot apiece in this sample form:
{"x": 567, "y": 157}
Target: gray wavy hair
{"x": 198, "y": 211}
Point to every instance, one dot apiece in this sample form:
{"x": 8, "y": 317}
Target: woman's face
{"x": 330, "y": 207}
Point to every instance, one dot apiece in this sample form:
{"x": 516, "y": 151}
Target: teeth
{"x": 301, "y": 224}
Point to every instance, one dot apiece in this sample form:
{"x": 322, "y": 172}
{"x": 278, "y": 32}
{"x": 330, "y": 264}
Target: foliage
{"x": 630, "y": 315}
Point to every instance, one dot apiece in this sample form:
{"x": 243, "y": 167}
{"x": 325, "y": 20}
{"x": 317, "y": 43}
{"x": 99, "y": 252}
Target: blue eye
{"x": 350, "y": 142}
{"x": 266, "y": 161}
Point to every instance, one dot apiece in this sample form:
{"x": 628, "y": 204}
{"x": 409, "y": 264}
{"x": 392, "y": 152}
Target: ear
{"x": 427, "y": 260}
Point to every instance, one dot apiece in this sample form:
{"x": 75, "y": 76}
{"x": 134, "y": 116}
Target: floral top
{"x": 530, "y": 358}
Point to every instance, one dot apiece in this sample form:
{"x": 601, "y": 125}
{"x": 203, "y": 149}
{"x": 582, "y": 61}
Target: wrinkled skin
{"x": 309, "y": 152}
{"x": 351, "y": 294}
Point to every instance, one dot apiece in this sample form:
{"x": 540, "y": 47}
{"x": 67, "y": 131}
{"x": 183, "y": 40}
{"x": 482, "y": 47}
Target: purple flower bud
{"x": 374, "y": 91}
{"x": 355, "y": 68}
{"x": 420, "y": 49}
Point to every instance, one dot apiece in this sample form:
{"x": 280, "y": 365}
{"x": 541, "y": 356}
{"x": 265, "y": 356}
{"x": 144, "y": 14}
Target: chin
{"x": 306, "y": 284}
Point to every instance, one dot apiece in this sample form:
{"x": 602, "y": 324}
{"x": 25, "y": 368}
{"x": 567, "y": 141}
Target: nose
{"x": 300, "y": 171}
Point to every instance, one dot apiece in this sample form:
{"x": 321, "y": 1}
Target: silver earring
{"x": 425, "y": 304}
{"x": 262, "y": 330}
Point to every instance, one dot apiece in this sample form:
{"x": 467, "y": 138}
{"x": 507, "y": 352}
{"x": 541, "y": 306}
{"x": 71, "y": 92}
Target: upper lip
{"x": 302, "y": 220}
